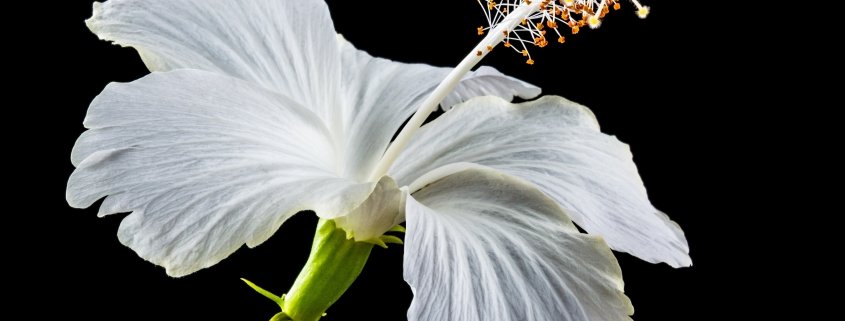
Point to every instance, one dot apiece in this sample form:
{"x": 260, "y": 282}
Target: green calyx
{"x": 334, "y": 263}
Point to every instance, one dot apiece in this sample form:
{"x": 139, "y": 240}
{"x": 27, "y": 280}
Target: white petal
{"x": 482, "y": 245}
{"x": 489, "y": 81}
{"x": 383, "y": 209}
{"x": 556, "y": 144}
{"x": 288, "y": 46}
{"x": 206, "y": 163}
{"x": 382, "y": 94}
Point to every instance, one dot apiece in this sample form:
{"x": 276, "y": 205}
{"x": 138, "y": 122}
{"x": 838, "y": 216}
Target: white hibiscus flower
{"x": 256, "y": 110}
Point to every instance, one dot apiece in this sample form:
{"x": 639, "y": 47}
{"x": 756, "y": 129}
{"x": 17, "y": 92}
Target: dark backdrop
{"x": 646, "y": 80}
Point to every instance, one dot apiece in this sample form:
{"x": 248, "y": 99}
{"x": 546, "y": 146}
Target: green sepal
{"x": 281, "y": 316}
{"x": 267, "y": 294}
{"x": 397, "y": 228}
{"x": 390, "y": 239}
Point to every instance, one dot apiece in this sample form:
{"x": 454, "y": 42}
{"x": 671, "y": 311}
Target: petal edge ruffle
{"x": 205, "y": 163}
{"x": 557, "y": 145}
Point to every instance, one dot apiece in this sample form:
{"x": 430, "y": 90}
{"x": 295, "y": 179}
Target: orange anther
{"x": 480, "y": 31}
{"x": 561, "y": 39}
{"x": 530, "y": 61}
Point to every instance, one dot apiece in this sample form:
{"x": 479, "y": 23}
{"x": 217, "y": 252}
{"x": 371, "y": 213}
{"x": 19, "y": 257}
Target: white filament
{"x": 493, "y": 38}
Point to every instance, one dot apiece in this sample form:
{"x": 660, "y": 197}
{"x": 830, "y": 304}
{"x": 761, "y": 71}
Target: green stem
{"x": 334, "y": 263}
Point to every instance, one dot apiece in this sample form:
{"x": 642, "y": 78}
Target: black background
{"x": 646, "y": 80}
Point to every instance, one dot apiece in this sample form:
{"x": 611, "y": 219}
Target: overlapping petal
{"x": 487, "y": 81}
{"x": 155, "y": 149}
{"x": 384, "y": 209}
{"x": 205, "y": 163}
{"x": 557, "y": 145}
{"x": 291, "y": 47}
{"x": 482, "y": 245}
{"x": 382, "y": 94}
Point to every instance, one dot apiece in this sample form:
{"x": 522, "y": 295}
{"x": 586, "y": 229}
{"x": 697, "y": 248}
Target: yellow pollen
{"x": 594, "y": 21}
{"x": 643, "y": 12}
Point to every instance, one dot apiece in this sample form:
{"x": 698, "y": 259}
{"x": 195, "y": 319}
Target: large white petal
{"x": 382, "y": 94}
{"x": 205, "y": 163}
{"x": 482, "y": 245}
{"x": 557, "y": 145}
{"x": 288, "y": 46}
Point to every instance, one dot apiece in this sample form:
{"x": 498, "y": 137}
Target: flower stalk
{"x": 334, "y": 263}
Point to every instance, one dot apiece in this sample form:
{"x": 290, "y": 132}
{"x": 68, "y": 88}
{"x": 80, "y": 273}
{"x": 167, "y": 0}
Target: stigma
{"x": 551, "y": 20}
